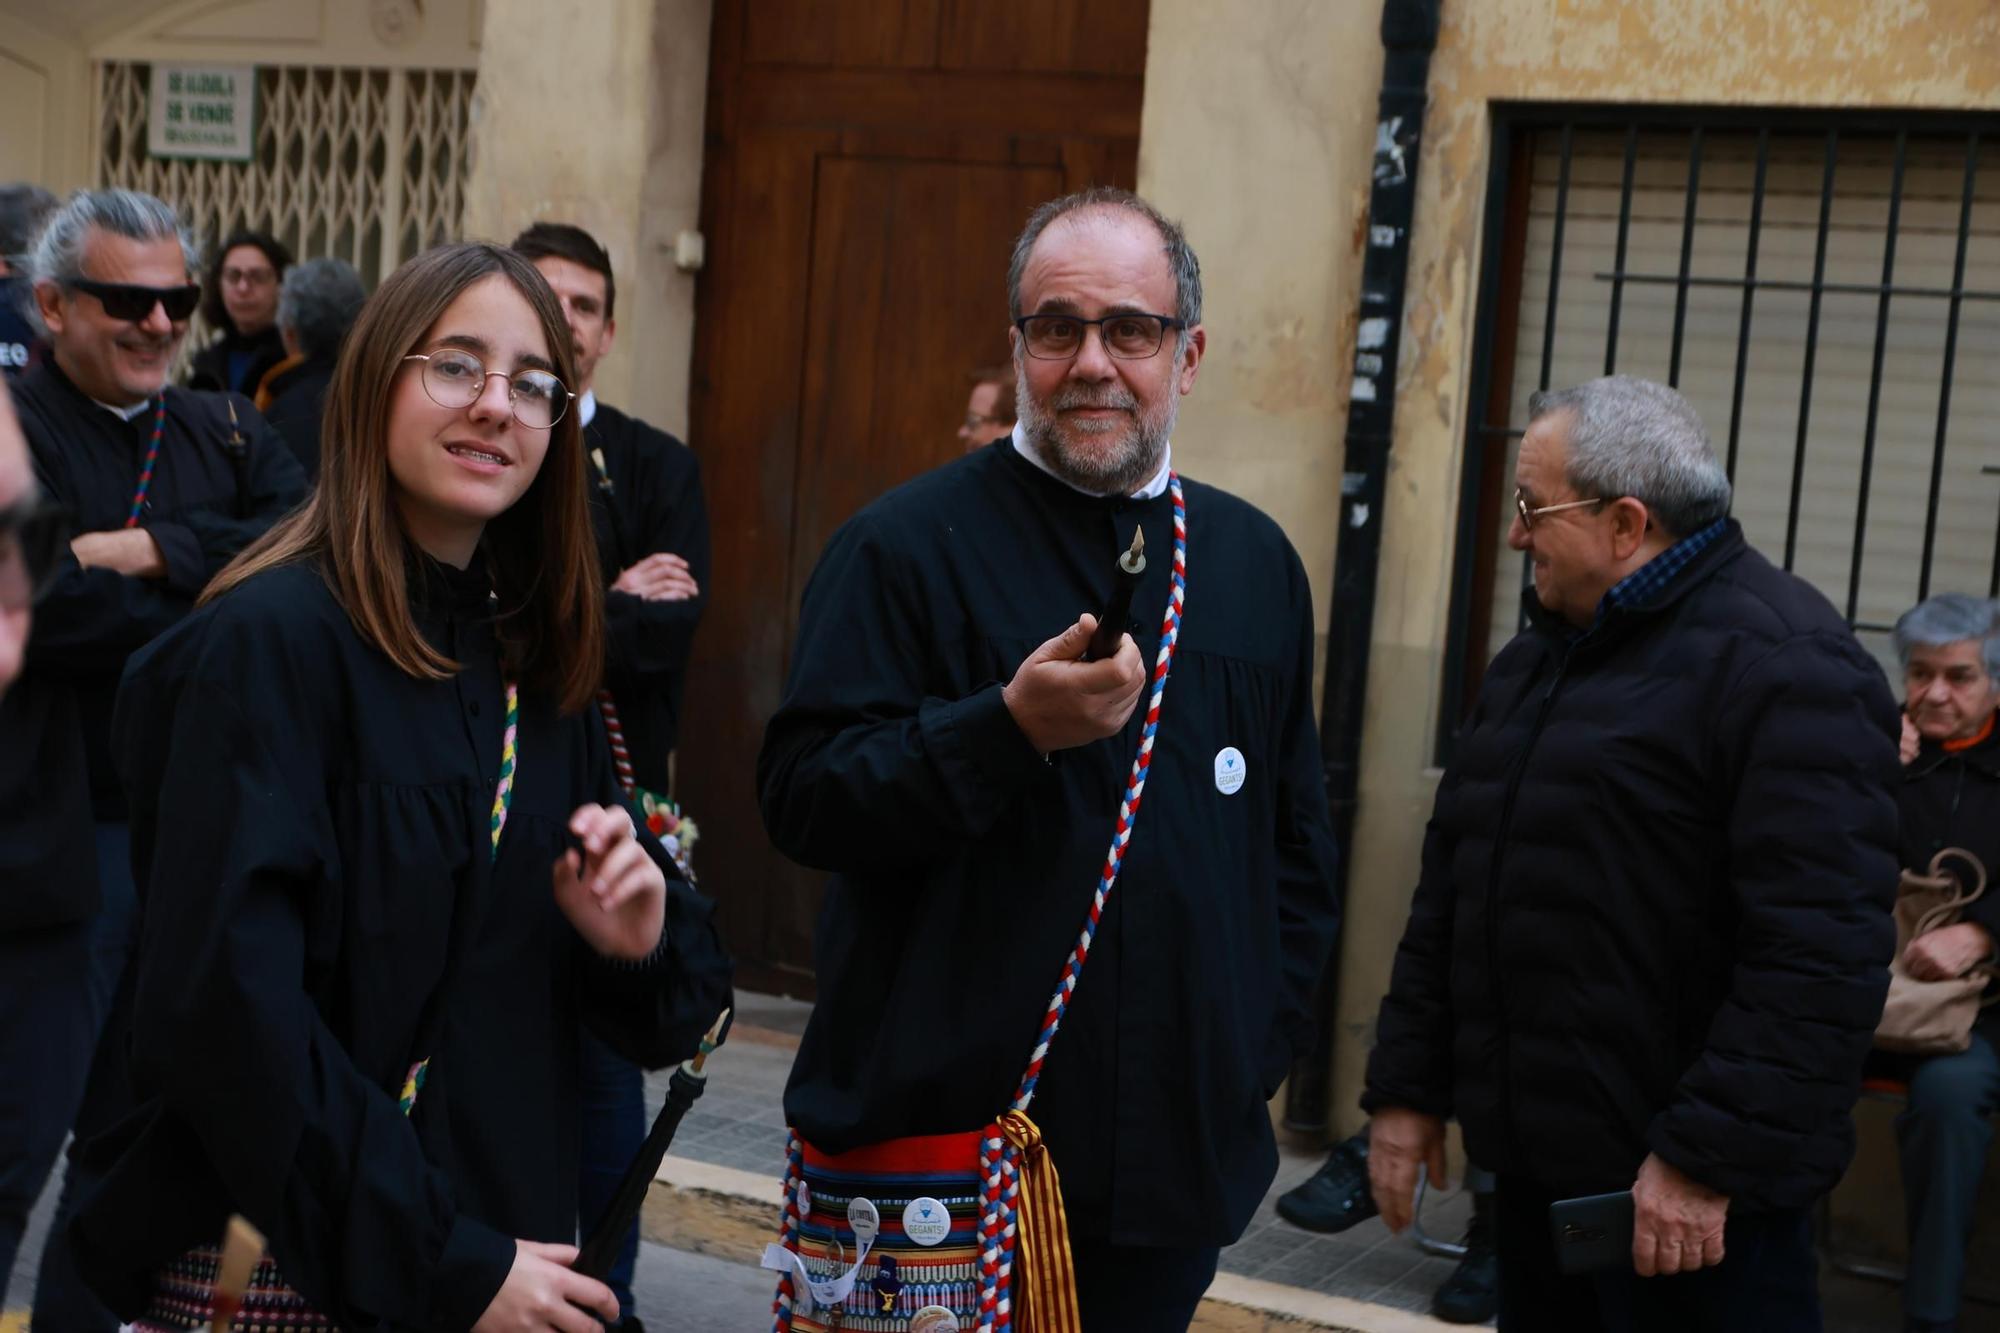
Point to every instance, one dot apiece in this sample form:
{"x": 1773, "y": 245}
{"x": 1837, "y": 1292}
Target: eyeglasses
{"x": 1528, "y": 516}
{"x": 455, "y": 379}
{"x": 133, "y": 304}
{"x": 974, "y": 421}
{"x": 1126, "y": 337}
{"x": 248, "y": 277}
{"x": 31, "y": 540}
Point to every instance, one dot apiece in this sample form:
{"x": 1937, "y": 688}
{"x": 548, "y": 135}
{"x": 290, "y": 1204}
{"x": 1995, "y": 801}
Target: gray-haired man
{"x": 1649, "y": 941}
{"x": 163, "y": 486}
{"x": 317, "y": 304}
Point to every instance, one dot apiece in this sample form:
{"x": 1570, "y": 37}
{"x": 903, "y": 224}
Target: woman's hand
{"x": 541, "y": 1293}
{"x": 1948, "y": 952}
{"x": 613, "y": 893}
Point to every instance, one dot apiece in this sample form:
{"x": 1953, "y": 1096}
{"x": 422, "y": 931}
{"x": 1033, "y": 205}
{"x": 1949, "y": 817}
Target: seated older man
{"x": 1950, "y": 797}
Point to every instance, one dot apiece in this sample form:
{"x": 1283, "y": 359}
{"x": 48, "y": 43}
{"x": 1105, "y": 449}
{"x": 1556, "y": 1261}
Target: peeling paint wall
{"x": 1889, "y": 54}
{"x": 1258, "y": 131}
{"x": 616, "y": 152}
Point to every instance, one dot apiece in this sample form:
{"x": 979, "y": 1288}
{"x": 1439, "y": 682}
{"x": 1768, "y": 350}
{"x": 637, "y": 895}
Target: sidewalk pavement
{"x": 715, "y": 1205}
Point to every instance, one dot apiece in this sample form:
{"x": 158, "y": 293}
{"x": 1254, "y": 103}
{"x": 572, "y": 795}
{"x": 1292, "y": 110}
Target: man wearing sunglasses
{"x": 163, "y": 487}
{"x": 1648, "y": 944}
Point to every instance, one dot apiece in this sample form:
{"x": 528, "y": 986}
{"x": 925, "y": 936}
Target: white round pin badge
{"x": 1229, "y": 770}
{"x": 926, "y": 1221}
{"x": 864, "y": 1219}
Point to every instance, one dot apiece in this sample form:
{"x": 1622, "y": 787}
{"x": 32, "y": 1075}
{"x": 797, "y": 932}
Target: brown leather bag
{"x": 1932, "y": 1017}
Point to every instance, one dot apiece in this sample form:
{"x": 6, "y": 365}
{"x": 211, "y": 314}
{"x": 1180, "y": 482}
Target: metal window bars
{"x": 366, "y": 165}
{"x": 1811, "y": 280}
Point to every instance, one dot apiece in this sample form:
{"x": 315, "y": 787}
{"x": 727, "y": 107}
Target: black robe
{"x": 207, "y": 501}
{"x": 209, "y": 370}
{"x": 322, "y": 908}
{"x": 654, "y": 503}
{"x": 298, "y": 401}
{"x": 964, "y": 863}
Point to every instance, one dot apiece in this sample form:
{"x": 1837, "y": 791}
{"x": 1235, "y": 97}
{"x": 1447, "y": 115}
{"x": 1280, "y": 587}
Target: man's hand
{"x": 1912, "y": 741}
{"x": 542, "y": 1293}
{"x": 1060, "y": 701}
{"x": 1952, "y": 951}
{"x": 1676, "y": 1222}
{"x": 1399, "y": 1141}
{"x": 129, "y": 551}
{"x": 613, "y": 893}
{"x": 660, "y": 577}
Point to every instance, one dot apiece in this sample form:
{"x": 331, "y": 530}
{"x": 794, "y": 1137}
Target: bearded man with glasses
{"x": 952, "y": 750}
{"x": 162, "y": 486}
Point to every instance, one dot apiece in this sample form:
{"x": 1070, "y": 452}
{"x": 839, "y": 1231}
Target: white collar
{"x": 586, "y": 408}
{"x": 126, "y": 413}
{"x": 1151, "y": 490}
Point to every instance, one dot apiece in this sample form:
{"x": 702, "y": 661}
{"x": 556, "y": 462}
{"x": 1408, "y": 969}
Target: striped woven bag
{"x": 970, "y": 1223}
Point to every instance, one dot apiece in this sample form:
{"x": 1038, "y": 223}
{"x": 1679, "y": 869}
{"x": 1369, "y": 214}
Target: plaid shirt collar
{"x": 1651, "y": 579}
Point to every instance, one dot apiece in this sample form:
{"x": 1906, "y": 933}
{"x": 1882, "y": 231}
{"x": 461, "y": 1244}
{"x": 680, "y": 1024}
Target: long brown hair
{"x": 541, "y": 552}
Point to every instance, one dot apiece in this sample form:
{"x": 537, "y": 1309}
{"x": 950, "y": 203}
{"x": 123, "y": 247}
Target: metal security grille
{"x": 366, "y": 165}
{"x": 1825, "y": 288}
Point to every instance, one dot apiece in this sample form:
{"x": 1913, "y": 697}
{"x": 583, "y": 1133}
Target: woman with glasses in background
{"x": 384, "y": 866}
{"x": 240, "y": 303}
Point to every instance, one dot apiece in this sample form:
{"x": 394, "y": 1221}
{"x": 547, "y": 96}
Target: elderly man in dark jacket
{"x": 1649, "y": 944}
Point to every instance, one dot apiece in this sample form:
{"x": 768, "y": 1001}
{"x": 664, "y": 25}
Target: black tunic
{"x": 209, "y": 371}
{"x": 205, "y": 504}
{"x": 322, "y": 908}
{"x": 298, "y": 401}
{"x": 654, "y": 504}
{"x": 965, "y": 863}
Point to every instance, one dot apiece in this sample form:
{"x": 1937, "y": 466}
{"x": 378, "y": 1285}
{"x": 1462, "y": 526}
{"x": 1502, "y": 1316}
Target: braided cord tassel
{"x": 788, "y": 1230}
{"x": 503, "y": 792}
{"x": 152, "y": 460}
{"x": 1128, "y": 809}
{"x": 614, "y": 731}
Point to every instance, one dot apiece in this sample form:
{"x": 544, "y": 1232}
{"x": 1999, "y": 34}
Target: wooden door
{"x": 868, "y": 167}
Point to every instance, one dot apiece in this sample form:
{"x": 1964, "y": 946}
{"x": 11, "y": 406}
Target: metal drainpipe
{"x": 1409, "y": 34}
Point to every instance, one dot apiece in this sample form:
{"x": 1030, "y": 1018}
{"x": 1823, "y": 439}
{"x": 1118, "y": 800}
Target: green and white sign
{"x": 205, "y": 111}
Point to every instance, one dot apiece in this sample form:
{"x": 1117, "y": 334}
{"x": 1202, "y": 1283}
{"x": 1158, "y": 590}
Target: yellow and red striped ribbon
{"x": 1045, "y": 1276}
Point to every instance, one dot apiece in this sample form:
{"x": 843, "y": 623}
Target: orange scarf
{"x": 1979, "y": 737}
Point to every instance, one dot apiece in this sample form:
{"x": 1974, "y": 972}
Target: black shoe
{"x": 1472, "y": 1293}
{"x": 1337, "y": 1195}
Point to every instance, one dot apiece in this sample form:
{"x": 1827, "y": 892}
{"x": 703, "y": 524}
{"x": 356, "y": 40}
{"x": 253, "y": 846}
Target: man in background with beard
{"x": 948, "y": 751}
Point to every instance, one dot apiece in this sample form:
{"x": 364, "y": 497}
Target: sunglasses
{"x": 123, "y": 300}
{"x": 33, "y": 535}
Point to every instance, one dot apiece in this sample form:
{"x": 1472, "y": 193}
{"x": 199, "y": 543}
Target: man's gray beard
{"x": 1122, "y": 470}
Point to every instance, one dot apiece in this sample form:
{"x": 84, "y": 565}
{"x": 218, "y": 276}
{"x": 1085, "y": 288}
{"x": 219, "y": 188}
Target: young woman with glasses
{"x": 384, "y": 866}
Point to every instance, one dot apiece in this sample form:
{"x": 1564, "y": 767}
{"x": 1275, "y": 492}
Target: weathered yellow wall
{"x": 1899, "y": 54}
{"x": 589, "y": 112}
{"x": 1257, "y": 134}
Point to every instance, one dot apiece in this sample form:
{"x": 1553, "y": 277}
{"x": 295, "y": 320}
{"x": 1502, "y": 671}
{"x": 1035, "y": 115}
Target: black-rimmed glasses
{"x": 1528, "y": 516}
{"x": 455, "y": 379}
{"x": 1131, "y": 337}
{"x": 32, "y": 533}
{"x": 133, "y": 303}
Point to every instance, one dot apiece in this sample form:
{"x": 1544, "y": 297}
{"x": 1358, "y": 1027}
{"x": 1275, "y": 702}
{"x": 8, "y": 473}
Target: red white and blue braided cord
{"x": 1128, "y": 809}
{"x": 152, "y": 461}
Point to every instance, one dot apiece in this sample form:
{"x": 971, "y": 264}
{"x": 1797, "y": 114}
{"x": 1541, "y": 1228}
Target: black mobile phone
{"x": 1593, "y": 1233}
